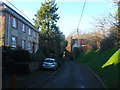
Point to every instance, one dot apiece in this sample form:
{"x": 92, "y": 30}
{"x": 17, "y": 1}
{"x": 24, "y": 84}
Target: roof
{"x": 16, "y": 14}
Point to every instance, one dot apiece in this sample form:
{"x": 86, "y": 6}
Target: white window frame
{"x": 13, "y": 42}
{"x": 34, "y": 34}
{"x": 36, "y": 48}
{"x": 14, "y": 22}
{"x": 29, "y": 46}
{"x": 23, "y": 44}
{"x": 29, "y": 31}
{"x": 23, "y": 27}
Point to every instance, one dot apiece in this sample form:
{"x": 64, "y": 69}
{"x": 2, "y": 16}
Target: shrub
{"x": 106, "y": 44}
{"x": 17, "y": 55}
{"x": 76, "y": 52}
{"x": 11, "y": 57}
{"x": 39, "y": 56}
{"x": 22, "y": 69}
{"x": 21, "y": 56}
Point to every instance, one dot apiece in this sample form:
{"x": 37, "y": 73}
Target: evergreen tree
{"x": 46, "y": 21}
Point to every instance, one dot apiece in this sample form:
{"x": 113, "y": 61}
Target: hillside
{"x": 104, "y": 64}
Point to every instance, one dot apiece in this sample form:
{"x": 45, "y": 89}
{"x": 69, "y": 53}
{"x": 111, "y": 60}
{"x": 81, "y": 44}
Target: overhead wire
{"x": 81, "y": 15}
{"x": 79, "y": 19}
{"x": 79, "y": 23}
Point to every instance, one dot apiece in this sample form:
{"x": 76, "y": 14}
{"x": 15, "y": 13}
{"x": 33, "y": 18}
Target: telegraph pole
{"x": 79, "y": 23}
{"x": 78, "y": 38}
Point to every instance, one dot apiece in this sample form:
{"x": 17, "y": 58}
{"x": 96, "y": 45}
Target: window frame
{"x": 34, "y": 34}
{"x": 29, "y": 45}
{"x": 14, "y": 22}
{"x": 14, "y": 42}
{"x": 23, "y": 27}
{"x": 36, "y": 48}
{"x": 23, "y": 44}
{"x": 29, "y": 32}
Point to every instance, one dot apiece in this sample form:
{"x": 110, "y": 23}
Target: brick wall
{"x": 2, "y": 24}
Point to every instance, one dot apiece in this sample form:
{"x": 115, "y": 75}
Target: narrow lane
{"x": 72, "y": 75}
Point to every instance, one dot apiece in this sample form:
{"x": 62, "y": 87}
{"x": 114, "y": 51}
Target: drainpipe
{"x": 9, "y": 29}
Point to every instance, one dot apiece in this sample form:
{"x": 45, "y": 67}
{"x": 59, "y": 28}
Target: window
{"x": 34, "y": 34}
{"x": 29, "y": 32}
{"x": 14, "y": 22}
{"x": 23, "y": 44}
{"x": 29, "y": 46}
{"x": 36, "y": 47}
{"x": 14, "y": 42}
{"x": 23, "y": 27}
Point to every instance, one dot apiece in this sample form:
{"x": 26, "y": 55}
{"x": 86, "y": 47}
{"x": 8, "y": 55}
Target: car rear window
{"x": 50, "y": 61}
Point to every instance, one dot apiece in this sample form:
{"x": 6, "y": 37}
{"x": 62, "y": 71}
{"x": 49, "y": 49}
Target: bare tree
{"x": 103, "y": 22}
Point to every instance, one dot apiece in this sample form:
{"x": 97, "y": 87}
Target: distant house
{"x": 16, "y": 31}
{"x": 69, "y": 47}
{"x": 75, "y": 45}
{"x": 81, "y": 43}
{"x": 73, "y": 42}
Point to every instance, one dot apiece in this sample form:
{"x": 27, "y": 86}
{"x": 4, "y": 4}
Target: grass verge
{"x": 104, "y": 64}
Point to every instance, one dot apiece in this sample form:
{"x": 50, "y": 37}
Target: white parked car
{"x": 49, "y": 63}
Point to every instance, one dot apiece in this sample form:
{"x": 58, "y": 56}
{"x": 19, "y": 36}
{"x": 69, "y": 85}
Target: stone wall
{"x": 33, "y": 66}
{"x": 26, "y": 68}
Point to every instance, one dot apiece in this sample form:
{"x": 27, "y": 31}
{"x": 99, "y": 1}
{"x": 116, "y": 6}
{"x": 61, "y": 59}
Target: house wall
{"x": 8, "y": 31}
{"x": 69, "y": 44}
{"x": 2, "y": 28}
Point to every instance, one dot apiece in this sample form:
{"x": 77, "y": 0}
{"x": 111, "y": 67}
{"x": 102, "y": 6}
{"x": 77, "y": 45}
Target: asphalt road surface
{"x": 71, "y": 75}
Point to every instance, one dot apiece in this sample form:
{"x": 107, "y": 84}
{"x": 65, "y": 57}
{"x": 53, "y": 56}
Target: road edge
{"x": 99, "y": 79}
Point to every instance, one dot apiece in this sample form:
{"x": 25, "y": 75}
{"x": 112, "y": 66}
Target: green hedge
{"x": 17, "y": 55}
{"x": 21, "y": 56}
{"x": 10, "y": 58}
{"x": 22, "y": 69}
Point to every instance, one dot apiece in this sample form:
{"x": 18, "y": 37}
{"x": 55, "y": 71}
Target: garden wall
{"x": 26, "y": 68}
